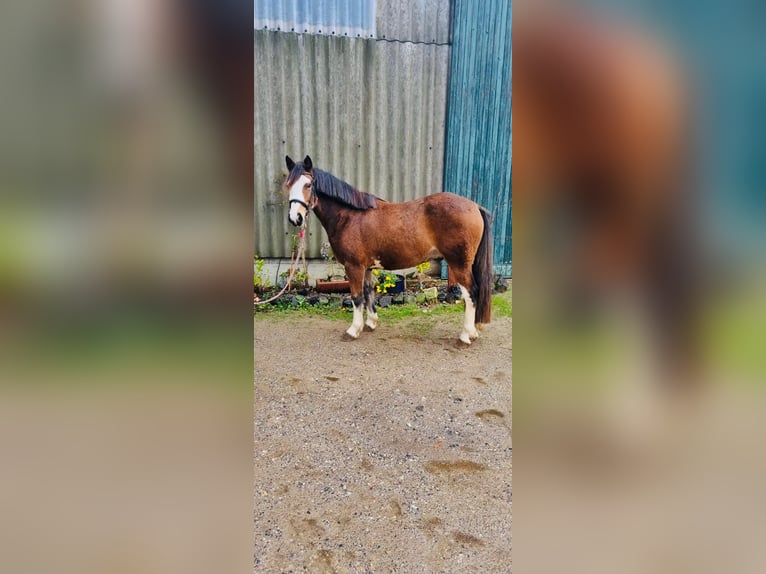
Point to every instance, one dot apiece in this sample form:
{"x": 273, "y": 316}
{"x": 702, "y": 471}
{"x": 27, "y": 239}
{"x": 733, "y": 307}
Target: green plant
{"x": 386, "y": 280}
{"x": 420, "y": 272}
{"x": 259, "y": 281}
{"x": 299, "y": 277}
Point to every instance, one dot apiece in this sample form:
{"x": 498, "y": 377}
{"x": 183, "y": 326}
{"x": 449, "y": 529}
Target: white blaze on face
{"x": 296, "y": 192}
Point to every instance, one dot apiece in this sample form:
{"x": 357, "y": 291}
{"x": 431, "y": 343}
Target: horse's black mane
{"x": 330, "y": 186}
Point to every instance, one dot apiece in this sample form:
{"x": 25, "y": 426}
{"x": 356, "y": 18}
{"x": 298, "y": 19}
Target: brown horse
{"x": 602, "y": 157}
{"x": 366, "y": 231}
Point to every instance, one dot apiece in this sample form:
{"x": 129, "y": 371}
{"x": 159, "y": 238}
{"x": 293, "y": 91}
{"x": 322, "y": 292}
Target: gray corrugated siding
{"x": 478, "y": 158}
{"x": 372, "y": 112}
{"x": 419, "y": 21}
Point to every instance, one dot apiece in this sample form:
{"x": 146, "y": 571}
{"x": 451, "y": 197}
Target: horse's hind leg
{"x": 355, "y": 281}
{"x": 369, "y": 301}
{"x": 464, "y": 281}
{"x": 469, "y": 332}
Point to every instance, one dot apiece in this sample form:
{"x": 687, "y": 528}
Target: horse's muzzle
{"x": 298, "y": 220}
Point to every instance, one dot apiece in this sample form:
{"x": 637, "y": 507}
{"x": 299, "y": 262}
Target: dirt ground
{"x": 391, "y": 453}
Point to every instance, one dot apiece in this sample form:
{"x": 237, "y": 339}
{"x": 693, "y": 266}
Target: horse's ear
{"x": 307, "y": 163}
{"x": 290, "y": 163}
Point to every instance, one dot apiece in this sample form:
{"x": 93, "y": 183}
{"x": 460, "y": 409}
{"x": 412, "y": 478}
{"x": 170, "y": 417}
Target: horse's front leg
{"x": 356, "y": 283}
{"x": 369, "y": 301}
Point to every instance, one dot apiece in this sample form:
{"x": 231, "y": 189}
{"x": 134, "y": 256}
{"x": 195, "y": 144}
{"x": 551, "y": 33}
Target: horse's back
{"x": 450, "y": 205}
{"x": 444, "y": 205}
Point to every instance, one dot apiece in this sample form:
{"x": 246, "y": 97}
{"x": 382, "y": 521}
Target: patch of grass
{"x": 394, "y": 313}
{"x": 302, "y": 310}
{"x": 501, "y": 307}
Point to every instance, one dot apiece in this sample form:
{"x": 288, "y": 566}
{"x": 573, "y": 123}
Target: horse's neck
{"x": 328, "y": 213}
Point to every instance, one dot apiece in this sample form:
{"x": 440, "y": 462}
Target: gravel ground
{"x": 391, "y": 453}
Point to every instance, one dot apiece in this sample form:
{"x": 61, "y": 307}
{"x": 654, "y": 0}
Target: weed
{"x": 423, "y": 267}
{"x": 259, "y": 281}
{"x": 300, "y": 278}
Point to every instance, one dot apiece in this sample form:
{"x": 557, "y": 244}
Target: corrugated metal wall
{"x": 371, "y": 111}
{"x": 479, "y": 139}
{"x": 400, "y": 20}
{"x": 420, "y": 21}
{"x": 354, "y": 18}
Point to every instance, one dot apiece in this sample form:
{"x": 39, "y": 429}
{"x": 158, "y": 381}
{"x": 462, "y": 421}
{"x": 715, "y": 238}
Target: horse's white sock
{"x": 358, "y": 323}
{"x": 469, "y": 331}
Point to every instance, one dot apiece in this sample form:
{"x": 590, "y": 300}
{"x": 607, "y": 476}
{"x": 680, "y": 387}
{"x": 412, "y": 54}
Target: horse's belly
{"x": 407, "y": 257}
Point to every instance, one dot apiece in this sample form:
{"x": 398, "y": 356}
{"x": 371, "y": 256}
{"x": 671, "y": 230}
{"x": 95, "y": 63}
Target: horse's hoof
{"x": 347, "y": 337}
{"x": 460, "y": 344}
{"x": 368, "y": 328}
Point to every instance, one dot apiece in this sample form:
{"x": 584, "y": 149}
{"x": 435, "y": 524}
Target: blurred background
{"x": 125, "y": 257}
{"x": 640, "y": 292}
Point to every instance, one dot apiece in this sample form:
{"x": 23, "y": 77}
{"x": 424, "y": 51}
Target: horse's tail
{"x": 483, "y": 273}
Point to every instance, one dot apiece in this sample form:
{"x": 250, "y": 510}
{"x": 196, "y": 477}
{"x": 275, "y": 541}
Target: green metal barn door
{"x": 478, "y": 147}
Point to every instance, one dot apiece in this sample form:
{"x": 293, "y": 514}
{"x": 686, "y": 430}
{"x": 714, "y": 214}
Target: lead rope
{"x": 299, "y": 255}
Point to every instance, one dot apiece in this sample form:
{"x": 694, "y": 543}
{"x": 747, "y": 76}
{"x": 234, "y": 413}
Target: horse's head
{"x": 299, "y": 183}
